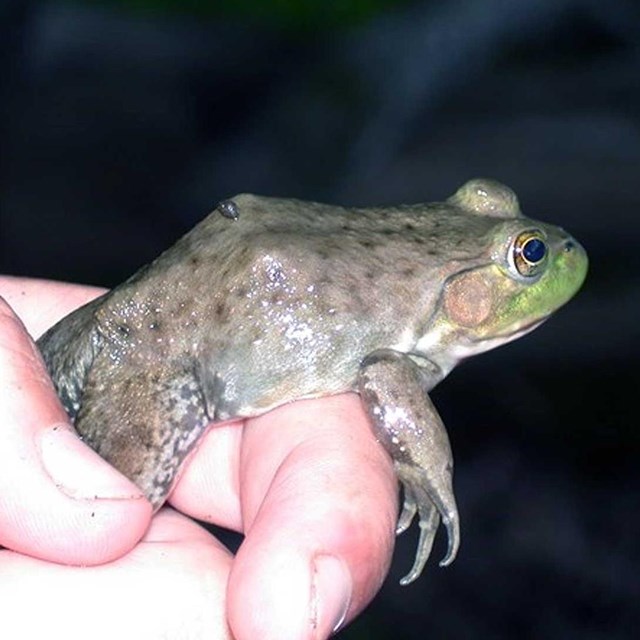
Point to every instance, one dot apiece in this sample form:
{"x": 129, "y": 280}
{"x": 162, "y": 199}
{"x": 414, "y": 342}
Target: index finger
{"x": 318, "y": 498}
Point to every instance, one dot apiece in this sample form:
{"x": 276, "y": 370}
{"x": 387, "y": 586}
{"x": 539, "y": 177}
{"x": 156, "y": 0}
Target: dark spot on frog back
{"x": 221, "y": 311}
{"x": 409, "y": 272}
{"x": 368, "y": 243}
{"x": 243, "y": 256}
{"x": 123, "y": 329}
{"x": 240, "y": 292}
{"x": 277, "y": 298}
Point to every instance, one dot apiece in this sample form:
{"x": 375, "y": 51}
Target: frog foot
{"x": 432, "y": 502}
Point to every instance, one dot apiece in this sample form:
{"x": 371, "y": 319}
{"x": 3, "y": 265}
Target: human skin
{"x": 308, "y": 485}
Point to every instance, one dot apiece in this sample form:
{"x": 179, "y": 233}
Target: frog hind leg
{"x": 394, "y": 392}
{"x": 144, "y": 421}
{"x": 69, "y": 349}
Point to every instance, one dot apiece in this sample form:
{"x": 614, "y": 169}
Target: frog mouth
{"x": 482, "y": 344}
{"x": 522, "y": 331}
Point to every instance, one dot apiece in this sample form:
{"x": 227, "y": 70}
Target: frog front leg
{"x": 394, "y": 392}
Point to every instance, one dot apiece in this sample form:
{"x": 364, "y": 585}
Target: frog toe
{"x": 409, "y": 510}
{"x": 429, "y": 521}
{"x": 451, "y": 521}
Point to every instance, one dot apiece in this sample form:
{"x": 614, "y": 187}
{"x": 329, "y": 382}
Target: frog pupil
{"x": 534, "y": 250}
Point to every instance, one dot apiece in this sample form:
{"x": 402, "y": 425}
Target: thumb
{"x": 59, "y": 500}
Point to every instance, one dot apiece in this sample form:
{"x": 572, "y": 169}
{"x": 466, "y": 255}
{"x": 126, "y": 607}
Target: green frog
{"x": 271, "y": 300}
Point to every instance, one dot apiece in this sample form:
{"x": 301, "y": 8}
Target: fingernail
{"x": 331, "y": 594}
{"x": 78, "y": 471}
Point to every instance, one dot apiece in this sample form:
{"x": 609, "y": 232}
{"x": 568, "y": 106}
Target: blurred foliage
{"x": 289, "y": 14}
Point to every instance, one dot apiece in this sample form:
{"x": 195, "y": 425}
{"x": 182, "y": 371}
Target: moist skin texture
{"x": 270, "y": 300}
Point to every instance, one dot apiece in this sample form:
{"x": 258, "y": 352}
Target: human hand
{"x": 313, "y": 492}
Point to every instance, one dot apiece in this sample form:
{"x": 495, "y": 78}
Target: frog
{"x": 271, "y": 300}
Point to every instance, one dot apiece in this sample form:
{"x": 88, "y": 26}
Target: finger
{"x": 58, "y": 499}
{"x": 208, "y": 486}
{"x": 41, "y": 303}
{"x": 172, "y": 585}
{"x": 319, "y": 505}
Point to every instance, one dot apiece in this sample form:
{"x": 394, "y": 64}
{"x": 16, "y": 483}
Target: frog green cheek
{"x": 563, "y": 276}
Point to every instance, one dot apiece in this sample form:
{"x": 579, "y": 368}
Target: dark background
{"x": 122, "y": 123}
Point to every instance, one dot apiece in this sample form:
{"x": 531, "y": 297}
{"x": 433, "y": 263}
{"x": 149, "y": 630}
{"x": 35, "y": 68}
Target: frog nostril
{"x": 569, "y": 245}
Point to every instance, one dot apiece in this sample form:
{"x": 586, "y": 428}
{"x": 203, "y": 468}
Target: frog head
{"x": 524, "y": 270}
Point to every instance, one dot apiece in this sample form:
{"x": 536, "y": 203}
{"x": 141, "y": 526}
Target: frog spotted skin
{"x": 270, "y": 300}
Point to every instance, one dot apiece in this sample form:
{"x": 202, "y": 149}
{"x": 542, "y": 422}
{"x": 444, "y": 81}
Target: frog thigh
{"x": 393, "y": 389}
{"x": 143, "y": 421}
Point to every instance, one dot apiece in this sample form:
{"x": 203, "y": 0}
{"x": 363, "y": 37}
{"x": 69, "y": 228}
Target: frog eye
{"x": 528, "y": 253}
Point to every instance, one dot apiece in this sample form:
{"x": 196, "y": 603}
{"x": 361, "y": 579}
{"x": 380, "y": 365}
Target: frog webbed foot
{"x": 394, "y": 390}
